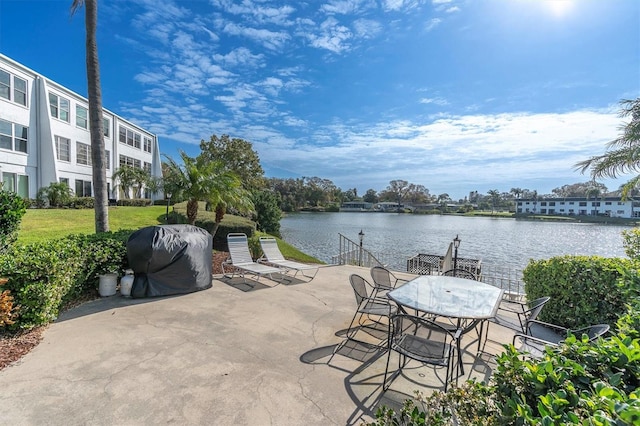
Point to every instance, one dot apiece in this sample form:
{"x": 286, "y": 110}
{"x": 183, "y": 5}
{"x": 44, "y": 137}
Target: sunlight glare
{"x": 559, "y": 8}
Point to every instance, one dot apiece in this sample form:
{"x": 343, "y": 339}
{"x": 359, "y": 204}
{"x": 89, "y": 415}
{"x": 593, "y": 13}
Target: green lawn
{"x": 45, "y": 224}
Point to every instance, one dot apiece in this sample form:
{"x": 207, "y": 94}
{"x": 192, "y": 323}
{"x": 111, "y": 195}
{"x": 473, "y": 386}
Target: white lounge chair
{"x": 273, "y": 256}
{"x": 240, "y": 260}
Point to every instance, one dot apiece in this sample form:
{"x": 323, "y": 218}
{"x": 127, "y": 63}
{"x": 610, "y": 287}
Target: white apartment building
{"x": 44, "y": 136}
{"x": 577, "y": 206}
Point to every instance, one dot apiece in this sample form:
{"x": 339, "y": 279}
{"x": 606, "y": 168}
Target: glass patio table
{"x": 467, "y": 302}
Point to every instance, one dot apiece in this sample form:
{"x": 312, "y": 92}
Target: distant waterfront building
{"x": 44, "y": 137}
{"x": 356, "y": 206}
{"x": 579, "y": 206}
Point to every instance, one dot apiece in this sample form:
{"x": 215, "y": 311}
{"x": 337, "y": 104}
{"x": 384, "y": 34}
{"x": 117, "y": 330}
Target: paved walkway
{"x": 229, "y": 355}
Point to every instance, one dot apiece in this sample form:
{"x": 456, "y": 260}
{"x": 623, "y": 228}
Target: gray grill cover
{"x": 170, "y": 259}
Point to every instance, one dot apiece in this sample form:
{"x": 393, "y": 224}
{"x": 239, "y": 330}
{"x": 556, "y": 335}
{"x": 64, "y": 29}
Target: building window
{"x": 147, "y": 144}
{"x": 83, "y": 154}
{"x": 59, "y": 107}
{"x": 607, "y": 203}
{"x": 81, "y": 117}
{"x": 64, "y": 180}
{"x": 83, "y": 188}
{"x": 16, "y": 183}
{"x": 107, "y": 155}
{"x": 13, "y": 136}
{"x": 106, "y": 127}
{"x": 63, "y": 149}
{"x": 21, "y": 134}
{"x": 147, "y": 167}
{"x": 19, "y": 92}
{"x": 552, "y": 203}
{"x": 6, "y": 135}
{"x": 5, "y": 85}
{"x": 543, "y": 203}
{"x": 128, "y": 161}
{"x": 583, "y": 204}
{"x": 129, "y": 137}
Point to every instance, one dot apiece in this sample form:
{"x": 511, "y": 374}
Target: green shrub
{"x": 135, "y": 202}
{"x": 631, "y": 243}
{"x": 580, "y": 382}
{"x": 83, "y": 203}
{"x": 56, "y": 195}
{"x": 43, "y": 276}
{"x": 12, "y": 208}
{"x": 40, "y": 274}
{"x": 333, "y": 207}
{"x": 583, "y": 290}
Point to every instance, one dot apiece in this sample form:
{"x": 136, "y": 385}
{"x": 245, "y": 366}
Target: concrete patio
{"x": 228, "y": 355}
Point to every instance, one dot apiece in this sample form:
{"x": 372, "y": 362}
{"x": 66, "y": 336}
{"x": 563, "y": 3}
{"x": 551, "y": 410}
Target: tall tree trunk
{"x": 98, "y": 155}
{"x": 192, "y": 210}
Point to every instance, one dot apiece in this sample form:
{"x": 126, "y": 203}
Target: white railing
{"x": 507, "y": 278}
{"x": 352, "y": 253}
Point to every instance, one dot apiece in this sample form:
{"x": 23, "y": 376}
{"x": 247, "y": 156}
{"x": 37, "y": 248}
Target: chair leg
{"x": 350, "y": 332}
{"x": 385, "y": 384}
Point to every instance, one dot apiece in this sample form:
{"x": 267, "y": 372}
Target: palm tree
{"x": 128, "y": 176}
{"x": 201, "y": 180}
{"x": 623, "y": 153}
{"x": 98, "y": 155}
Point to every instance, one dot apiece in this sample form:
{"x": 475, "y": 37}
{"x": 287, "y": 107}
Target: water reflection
{"x": 500, "y": 241}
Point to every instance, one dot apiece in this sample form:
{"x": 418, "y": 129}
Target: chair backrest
{"x": 382, "y": 278}
{"x": 359, "y": 286}
{"x": 535, "y": 307}
{"x": 270, "y": 249}
{"x": 426, "y": 329}
{"x": 460, "y": 273}
{"x": 239, "y": 248}
{"x": 595, "y": 331}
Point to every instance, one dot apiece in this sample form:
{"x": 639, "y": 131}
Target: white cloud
{"x": 274, "y": 40}
{"x": 256, "y": 13}
{"x": 345, "y": 7}
{"x": 366, "y": 28}
{"x": 437, "y": 101}
{"x": 332, "y": 36}
{"x": 475, "y": 149}
{"x": 432, "y": 23}
{"x": 241, "y": 57}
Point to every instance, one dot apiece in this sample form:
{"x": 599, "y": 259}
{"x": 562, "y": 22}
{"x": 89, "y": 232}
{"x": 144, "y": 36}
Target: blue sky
{"x": 455, "y": 95}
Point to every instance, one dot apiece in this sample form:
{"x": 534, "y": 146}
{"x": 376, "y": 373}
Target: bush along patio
{"x": 44, "y": 277}
{"x": 579, "y": 382}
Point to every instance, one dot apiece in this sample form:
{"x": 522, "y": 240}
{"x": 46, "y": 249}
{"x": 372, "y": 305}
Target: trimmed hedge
{"x": 135, "y": 202}
{"x": 44, "y": 276}
{"x": 207, "y": 220}
{"x": 584, "y": 290}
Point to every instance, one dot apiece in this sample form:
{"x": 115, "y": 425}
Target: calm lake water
{"x": 498, "y": 241}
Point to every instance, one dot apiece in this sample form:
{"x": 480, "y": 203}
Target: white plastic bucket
{"x": 126, "y": 283}
{"x": 107, "y": 284}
